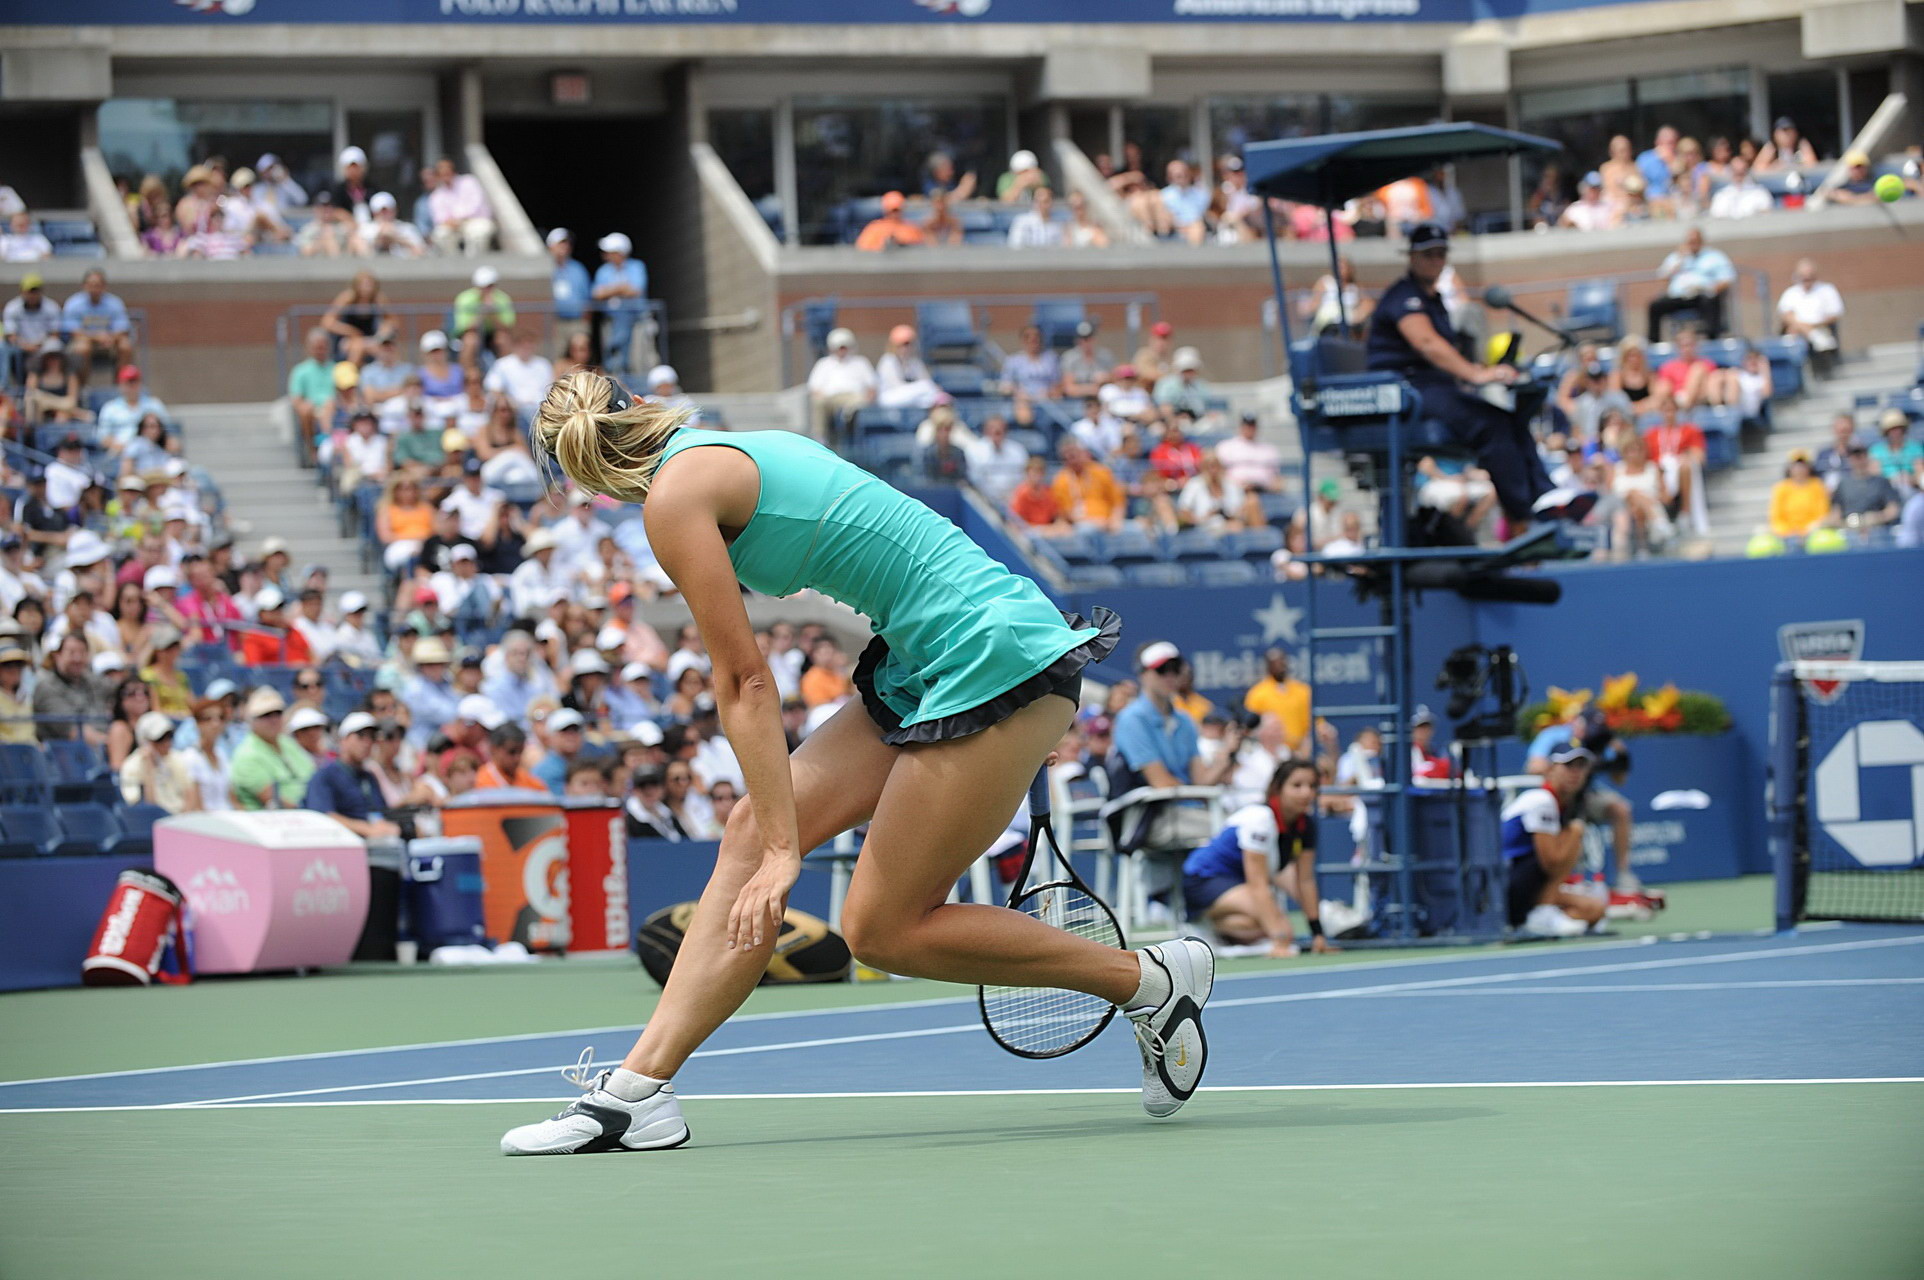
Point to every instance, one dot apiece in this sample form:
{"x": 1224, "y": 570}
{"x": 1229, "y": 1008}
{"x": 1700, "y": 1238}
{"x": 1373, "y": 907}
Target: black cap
{"x": 1249, "y": 417}
{"x": 469, "y": 659}
{"x": 650, "y": 775}
{"x": 1428, "y": 235}
{"x": 69, "y": 442}
{"x": 1783, "y": 122}
{"x": 471, "y": 467}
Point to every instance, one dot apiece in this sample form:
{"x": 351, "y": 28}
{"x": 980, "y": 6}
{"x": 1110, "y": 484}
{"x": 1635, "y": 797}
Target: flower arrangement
{"x": 1629, "y": 709}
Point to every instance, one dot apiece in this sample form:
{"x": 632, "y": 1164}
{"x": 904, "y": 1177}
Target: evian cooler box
{"x": 279, "y": 889}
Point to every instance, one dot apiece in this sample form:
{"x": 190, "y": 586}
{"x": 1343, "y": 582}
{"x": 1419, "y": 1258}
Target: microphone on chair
{"x": 1500, "y": 298}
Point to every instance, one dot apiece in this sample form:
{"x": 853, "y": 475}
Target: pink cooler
{"x": 279, "y": 889}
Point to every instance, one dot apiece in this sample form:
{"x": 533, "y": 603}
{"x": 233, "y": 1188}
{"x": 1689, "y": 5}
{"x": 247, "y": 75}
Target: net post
{"x": 1782, "y": 791}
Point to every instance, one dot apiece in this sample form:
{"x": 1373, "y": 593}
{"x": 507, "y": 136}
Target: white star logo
{"x": 1277, "y": 620}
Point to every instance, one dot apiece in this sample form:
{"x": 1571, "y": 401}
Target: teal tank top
{"x": 960, "y": 627}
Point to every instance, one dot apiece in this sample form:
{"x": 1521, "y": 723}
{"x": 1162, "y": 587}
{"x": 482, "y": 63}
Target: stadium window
{"x": 167, "y": 136}
{"x": 1163, "y": 133}
{"x": 1583, "y": 117}
{"x": 744, "y": 138}
{"x": 1704, "y": 105}
{"x": 1811, "y": 98}
{"x": 847, "y": 149}
{"x": 1235, "y": 122}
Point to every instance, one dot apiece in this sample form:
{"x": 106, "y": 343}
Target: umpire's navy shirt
{"x": 339, "y": 788}
{"x": 1389, "y": 351}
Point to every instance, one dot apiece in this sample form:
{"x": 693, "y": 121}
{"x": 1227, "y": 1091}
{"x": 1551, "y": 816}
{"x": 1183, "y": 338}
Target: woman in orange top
{"x": 1034, "y": 503}
{"x": 826, "y": 679}
{"x": 1087, "y": 491}
{"x": 403, "y": 521}
{"x": 1800, "y": 501}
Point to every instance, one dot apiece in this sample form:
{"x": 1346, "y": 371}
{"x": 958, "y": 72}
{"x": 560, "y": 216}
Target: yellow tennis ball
{"x": 1889, "y": 188}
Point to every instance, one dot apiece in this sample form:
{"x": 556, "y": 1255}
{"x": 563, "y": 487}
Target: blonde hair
{"x": 609, "y": 452}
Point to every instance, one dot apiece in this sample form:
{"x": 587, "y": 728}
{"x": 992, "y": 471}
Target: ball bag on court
{"x": 806, "y": 949}
{"x": 142, "y": 917}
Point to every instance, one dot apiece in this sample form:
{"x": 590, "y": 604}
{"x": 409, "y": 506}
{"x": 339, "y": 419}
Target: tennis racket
{"x": 1047, "y": 1022}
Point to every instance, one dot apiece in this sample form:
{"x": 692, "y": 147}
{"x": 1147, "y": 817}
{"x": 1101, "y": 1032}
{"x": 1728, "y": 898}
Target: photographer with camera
{"x": 1600, "y": 803}
{"x": 1543, "y": 843}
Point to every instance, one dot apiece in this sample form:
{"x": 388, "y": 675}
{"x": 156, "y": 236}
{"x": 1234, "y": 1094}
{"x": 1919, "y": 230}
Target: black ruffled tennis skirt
{"x": 1063, "y": 676}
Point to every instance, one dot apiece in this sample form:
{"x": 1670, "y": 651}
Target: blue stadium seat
{"x": 1590, "y": 307}
{"x": 137, "y": 828}
{"x": 1036, "y": 442}
{"x": 877, "y": 421}
{"x": 1259, "y": 544}
{"x": 1058, "y": 318}
{"x": 1277, "y": 509}
{"x": 25, "y": 776}
{"x": 976, "y": 412}
{"x": 1787, "y": 357}
{"x": 1157, "y": 575}
{"x": 86, "y": 829}
{"x": 960, "y": 380}
{"x": 1726, "y": 353}
{"x": 78, "y": 771}
{"x": 1228, "y": 573}
{"x": 1096, "y": 577}
{"x": 818, "y": 319}
{"x": 890, "y": 456}
{"x": 1132, "y": 544}
{"x": 26, "y": 830}
{"x": 1199, "y": 544}
{"x": 947, "y": 328}
{"x": 1078, "y": 548}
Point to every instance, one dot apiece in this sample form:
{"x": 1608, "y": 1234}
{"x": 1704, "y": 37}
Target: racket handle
{"x": 1039, "y": 794}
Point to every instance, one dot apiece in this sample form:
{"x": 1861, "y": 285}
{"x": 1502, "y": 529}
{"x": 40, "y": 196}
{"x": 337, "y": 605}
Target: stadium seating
{"x": 85, "y": 829}
{"x": 1058, "y": 318}
{"x": 25, "y": 775}
{"x": 27, "y": 830}
{"x": 1590, "y": 309}
{"x": 947, "y": 329}
{"x": 137, "y": 828}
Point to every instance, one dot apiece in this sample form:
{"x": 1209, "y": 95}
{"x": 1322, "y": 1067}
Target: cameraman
{"x": 1600, "y": 803}
{"x": 1543, "y": 843}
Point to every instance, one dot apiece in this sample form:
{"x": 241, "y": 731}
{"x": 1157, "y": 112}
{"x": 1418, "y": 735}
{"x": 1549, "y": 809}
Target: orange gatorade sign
{"x": 524, "y": 863}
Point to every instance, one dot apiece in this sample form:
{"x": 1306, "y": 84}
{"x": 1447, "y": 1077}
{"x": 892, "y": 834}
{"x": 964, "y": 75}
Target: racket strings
{"x": 1044, "y": 1021}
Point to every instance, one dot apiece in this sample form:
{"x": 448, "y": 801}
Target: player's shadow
{"x": 1294, "y": 1115}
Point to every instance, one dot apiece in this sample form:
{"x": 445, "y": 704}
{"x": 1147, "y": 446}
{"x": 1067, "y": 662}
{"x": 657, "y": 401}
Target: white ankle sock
{"x": 1154, "y": 988}
{"x": 631, "y": 1086}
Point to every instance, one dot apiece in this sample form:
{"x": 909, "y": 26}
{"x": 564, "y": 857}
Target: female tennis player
{"x": 1264, "y": 847}
{"x": 969, "y": 683}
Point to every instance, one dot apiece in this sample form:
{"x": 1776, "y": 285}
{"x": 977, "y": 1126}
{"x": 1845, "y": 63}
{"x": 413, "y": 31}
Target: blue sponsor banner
{"x": 216, "y": 14}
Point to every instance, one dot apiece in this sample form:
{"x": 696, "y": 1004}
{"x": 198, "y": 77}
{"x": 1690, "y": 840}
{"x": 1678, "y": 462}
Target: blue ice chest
{"x": 442, "y": 891}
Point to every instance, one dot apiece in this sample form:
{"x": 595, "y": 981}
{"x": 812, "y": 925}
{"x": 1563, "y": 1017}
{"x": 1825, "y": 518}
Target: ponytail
{"x": 602, "y": 438}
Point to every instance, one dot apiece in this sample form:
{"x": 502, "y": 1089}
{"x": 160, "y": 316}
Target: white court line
{"x": 1494, "y": 953}
{"x": 1638, "y": 988}
{"x": 1417, "y": 1086}
{"x": 1394, "y": 988}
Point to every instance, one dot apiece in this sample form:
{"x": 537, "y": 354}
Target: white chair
{"x": 1135, "y": 878}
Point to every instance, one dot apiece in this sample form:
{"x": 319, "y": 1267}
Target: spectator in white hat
{"x": 308, "y": 727}
{"x": 276, "y": 187}
{"x": 564, "y": 734}
{"x": 588, "y": 672}
{"x": 570, "y": 282}
{"x": 273, "y": 641}
{"x": 631, "y": 699}
{"x": 466, "y": 594}
{"x": 1023, "y": 179}
{"x": 463, "y": 217}
{"x": 523, "y": 376}
{"x": 514, "y": 675}
{"x": 386, "y": 234}
{"x": 352, "y": 192}
{"x": 346, "y": 789}
{"x": 841, "y": 382}
{"x": 483, "y": 313}
{"x": 154, "y": 773}
{"x": 270, "y": 771}
{"x": 354, "y": 644}
{"x": 536, "y": 583}
{"x": 664, "y": 387}
{"x": 621, "y": 289}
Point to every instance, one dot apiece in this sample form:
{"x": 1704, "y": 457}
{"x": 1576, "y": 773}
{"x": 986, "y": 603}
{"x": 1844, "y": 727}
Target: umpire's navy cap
{"x": 1428, "y": 235}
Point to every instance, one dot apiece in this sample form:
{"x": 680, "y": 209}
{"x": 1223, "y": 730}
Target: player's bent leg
{"x": 942, "y": 806}
{"x": 838, "y": 773}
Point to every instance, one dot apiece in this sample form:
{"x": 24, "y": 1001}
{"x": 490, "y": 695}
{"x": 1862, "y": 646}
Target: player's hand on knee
{"x": 1323, "y": 946}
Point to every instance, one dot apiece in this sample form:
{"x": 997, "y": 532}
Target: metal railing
{"x": 1139, "y": 311}
{"x": 412, "y": 319}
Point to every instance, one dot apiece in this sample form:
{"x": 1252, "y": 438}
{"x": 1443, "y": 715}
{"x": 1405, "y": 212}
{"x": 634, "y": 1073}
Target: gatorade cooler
{"x": 443, "y": 892}
{"x": 597, "y": 874}
{"x": 524, "y": 863}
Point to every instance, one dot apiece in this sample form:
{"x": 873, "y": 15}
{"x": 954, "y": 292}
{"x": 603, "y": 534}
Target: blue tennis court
{"x": 1827, "y": 1004}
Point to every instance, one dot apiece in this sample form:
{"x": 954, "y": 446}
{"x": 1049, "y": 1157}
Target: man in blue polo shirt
{"x": 96, "y": 323}
{"x": 1156, "y": 746}
{"x": 345, "y": 790}
{"x": 570, "y": 281}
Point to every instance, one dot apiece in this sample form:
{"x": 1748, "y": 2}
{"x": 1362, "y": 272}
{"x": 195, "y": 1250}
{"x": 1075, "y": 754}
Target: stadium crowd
{"x": 220, "y": 212}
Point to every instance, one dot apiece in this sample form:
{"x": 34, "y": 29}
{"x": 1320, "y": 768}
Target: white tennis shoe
{"x": 1170, "y": 1035}
{"x": 1547, "y": 920}
{"x": 599, "y": 1121}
